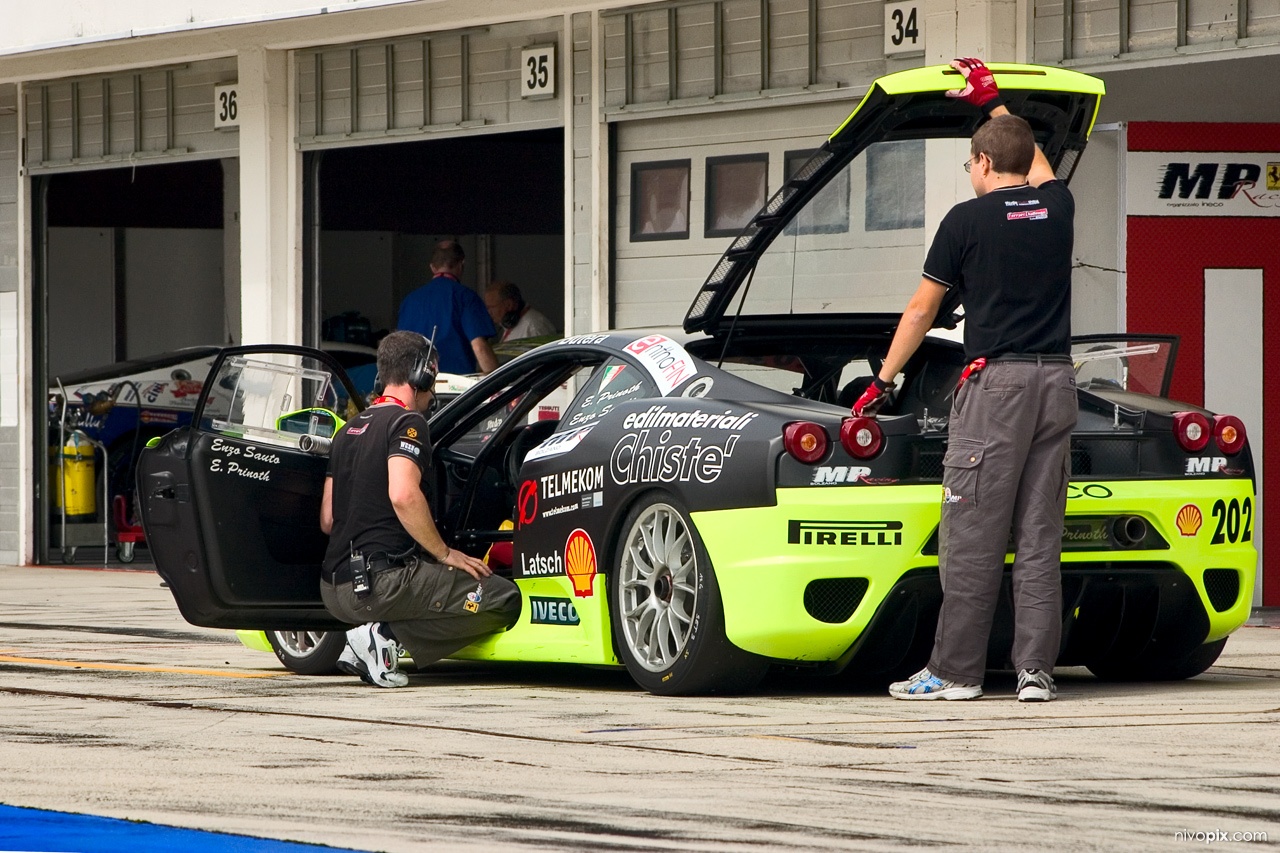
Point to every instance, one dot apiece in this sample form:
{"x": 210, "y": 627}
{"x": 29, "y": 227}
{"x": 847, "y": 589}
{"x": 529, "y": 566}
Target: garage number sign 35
{"x": 538, "y": 72}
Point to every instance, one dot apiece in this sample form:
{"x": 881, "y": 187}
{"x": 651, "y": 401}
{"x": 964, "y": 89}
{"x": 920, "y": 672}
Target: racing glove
{"x": 980, "y": 85}
{"x": 872, "y": 399}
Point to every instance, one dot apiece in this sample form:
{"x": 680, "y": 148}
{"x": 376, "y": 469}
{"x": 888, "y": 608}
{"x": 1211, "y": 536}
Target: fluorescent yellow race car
{"x": 700, "y": 506}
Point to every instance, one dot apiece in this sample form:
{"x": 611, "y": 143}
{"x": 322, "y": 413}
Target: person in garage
{"x": 515, "y": 318}
{"x": 451, "y": 314}
{"x": 1008, "y": 253}
{"x": 387, "y": 569}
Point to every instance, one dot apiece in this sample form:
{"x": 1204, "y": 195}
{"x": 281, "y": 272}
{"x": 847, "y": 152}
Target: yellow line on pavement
{"x": 122, "y": 667}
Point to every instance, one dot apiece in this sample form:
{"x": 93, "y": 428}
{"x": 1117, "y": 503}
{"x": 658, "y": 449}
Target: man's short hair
{"x": 397, "y": 354}
{"x": 448, "y": 254}
{"x": 506, "y": 290}
{"x": 1008, "y": 141}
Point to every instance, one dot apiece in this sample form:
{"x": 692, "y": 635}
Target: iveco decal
{"x": 844, "y": 532}
{"x": 649, "y": 456}
{"x": 552, "y": 611}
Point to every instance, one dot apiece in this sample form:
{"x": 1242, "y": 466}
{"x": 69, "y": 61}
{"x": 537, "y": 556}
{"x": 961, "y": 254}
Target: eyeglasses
{"x": 968, "y": 164}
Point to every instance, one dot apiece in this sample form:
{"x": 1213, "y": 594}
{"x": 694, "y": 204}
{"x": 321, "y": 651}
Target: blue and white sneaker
{"x": 372, "y": 656}
{"x": 925, "y": 685}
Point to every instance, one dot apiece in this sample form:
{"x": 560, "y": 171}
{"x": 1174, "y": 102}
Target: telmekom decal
{"x": 580, "y": 562}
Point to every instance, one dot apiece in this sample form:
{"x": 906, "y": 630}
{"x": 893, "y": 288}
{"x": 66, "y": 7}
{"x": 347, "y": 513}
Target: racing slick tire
{"x": 308, "y": 652}
{"x": 1178, "y": 669}
{"x": 667, "y": 614}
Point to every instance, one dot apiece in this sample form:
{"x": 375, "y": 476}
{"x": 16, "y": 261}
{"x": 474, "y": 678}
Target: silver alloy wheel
{"x": 658, "y": 580}
{"x": 300, "y": 644}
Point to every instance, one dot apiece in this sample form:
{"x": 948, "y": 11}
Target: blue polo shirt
{"x": 458, "y": 315}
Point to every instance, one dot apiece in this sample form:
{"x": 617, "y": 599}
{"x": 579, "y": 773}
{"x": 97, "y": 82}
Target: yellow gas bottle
{"x": 71, "y": 478}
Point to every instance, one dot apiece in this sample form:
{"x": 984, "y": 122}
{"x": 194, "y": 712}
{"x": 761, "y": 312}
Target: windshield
{"x": 1142, "y": 364}
{"x": 858, "y": 246}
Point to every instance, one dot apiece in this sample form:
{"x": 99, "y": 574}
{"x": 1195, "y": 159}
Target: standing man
{"x": 1008, "y": 252}
{"x": 453, "y": 312}
{"x": 515, "y": 318}
{"x": 387, "y": 569}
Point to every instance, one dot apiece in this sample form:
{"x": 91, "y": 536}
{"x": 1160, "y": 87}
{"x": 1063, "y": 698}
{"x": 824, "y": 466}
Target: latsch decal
{"x": 559, "y": 444}
{"x": 844, "y": 532}
{"x": 541, "y": 565}
{"x": 666, "y": 361}
{"x": 580, "y": 562}
{"x": 1189, "y": 520}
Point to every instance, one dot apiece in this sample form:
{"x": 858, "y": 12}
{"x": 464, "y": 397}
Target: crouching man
{"x": 387, "y": 569}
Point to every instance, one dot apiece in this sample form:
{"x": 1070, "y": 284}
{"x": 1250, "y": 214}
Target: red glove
{"x": 980, "y": 89}
{"x": 872, "y": 399}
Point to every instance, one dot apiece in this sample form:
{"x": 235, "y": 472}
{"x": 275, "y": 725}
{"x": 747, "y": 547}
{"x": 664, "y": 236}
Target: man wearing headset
{"x": 514, "y": 317}
{"x": 387, "y": 569}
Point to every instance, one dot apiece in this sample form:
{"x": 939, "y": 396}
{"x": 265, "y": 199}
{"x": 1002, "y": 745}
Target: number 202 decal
{"x": 1235, "y": 521}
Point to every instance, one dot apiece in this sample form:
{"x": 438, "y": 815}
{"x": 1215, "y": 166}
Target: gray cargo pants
{"x": 434, "y": 610}
{"x": 1006, "y": 467}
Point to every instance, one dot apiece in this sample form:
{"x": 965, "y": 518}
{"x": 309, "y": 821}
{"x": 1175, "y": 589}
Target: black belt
{"x": 1033, "y": 358}
{"x": 342, "y": 574}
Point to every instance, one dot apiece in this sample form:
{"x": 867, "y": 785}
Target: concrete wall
{"x": 12, "y": 380}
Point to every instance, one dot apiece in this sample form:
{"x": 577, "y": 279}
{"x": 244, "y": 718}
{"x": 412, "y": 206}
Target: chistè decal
{"x": 1189, "y": 520}
{"x": 580, "y": 563}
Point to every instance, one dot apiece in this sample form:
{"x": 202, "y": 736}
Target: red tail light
{"x": 1228, "y": 430}
{"x": 806, "y": 441}
{"x": 861, "y": 438}
{"x": 1192, "y": 431}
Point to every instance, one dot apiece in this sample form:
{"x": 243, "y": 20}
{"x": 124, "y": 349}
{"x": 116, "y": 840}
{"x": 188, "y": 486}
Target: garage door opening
{"x": 383, "y": 208}
{"x": 132, "y": 265}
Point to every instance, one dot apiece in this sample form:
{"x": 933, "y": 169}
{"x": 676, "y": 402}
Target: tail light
{"x": 807, "y": 442}
{"x": 1192, "y": 431}
{"x": 861, "y": 437}
{"x": 1228, "y": 430}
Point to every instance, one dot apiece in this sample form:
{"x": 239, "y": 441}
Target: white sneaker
{"x": 926, "y": 685}
{"x": 373, "y": 657}
{"x": 1036, "y": 685}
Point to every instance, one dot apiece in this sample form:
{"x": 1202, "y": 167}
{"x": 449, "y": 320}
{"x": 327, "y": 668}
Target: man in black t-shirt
{"x": 1008, "y": 254}
{"x": 386, "y": 568}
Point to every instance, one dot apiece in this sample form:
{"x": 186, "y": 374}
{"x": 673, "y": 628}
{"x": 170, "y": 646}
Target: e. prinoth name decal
{"x": 844, "y": 532}
{"x": 560, "y": 443}
{"x": 649, "y": 456}
{"x": 658, "y": 417}
{"x": 666, "y": 361}
{"x": 552, "y": 611}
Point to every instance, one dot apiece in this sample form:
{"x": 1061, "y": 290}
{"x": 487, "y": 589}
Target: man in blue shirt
{"x": 454, "y": 312}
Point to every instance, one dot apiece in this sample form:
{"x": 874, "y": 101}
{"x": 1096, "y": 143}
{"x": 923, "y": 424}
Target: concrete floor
{"x": 110, "y": 704}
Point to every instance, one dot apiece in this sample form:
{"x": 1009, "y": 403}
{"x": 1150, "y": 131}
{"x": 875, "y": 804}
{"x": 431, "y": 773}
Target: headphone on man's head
{"x": 426, "y": 366}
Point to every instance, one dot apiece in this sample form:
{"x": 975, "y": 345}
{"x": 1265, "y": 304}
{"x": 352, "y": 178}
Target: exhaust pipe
{"x": 1129, "y": 531}
{"x": 317, "y": 445}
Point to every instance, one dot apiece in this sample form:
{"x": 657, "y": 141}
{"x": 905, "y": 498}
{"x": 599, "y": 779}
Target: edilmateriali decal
{"x": 580, "y": 562}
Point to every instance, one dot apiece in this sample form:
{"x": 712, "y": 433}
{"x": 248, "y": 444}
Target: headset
{"x": 426, "y": 366}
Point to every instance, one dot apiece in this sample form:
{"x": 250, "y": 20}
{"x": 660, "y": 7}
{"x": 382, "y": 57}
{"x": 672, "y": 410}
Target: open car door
{"x": 231, "y": 504}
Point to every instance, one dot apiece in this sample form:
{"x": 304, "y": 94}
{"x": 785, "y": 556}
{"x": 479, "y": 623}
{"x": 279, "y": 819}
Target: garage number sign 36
{"x": 538, "y": 72}
{"x": 226, "y": 112}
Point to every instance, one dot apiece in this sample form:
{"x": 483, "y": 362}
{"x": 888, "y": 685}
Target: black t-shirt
{"x": 363, "y": 516}
{"x": 1009, "y": 253}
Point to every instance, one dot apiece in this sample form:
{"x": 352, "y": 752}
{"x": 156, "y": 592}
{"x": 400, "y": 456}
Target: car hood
{"x": 1060, "y": 105}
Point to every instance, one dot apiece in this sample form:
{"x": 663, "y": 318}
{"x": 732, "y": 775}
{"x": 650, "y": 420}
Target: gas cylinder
{"x": 71, "y": 478}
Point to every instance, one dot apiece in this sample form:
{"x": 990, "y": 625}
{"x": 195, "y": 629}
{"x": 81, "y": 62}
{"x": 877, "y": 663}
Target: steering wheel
{"x": 527, "y": 438}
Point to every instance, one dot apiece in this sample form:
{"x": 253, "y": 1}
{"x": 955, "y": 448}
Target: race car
{"x": 704, "y": 506}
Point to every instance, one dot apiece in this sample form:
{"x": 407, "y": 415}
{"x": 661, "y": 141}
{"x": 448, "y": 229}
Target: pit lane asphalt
{"x": 111, "y": 704}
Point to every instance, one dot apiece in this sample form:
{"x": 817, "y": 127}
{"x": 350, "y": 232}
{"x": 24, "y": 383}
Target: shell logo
{"x": 580, "y": 563}
{"x": 1189, "y": 520}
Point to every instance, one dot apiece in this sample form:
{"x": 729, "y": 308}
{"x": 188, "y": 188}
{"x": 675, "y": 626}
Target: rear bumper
{"x": 778, "y": 566}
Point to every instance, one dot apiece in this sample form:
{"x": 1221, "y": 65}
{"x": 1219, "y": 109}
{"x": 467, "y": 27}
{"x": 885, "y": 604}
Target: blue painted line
{"x": 61, "y": 832}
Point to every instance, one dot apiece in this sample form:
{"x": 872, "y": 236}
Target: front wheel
{"x": 308, "y": 652}
{"x": 667, "y": 614}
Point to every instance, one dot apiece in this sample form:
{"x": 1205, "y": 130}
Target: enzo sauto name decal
{"x": 844, "y": 532}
